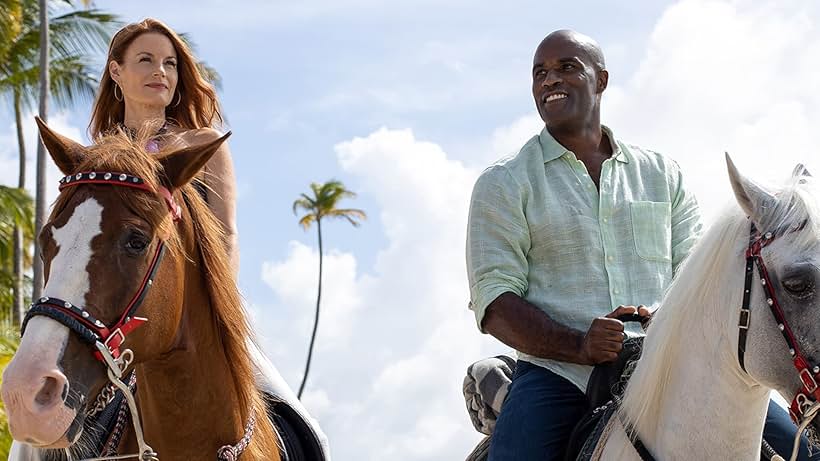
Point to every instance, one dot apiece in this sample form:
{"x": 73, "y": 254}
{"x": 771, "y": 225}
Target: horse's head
{"x": 782, "y": 348}
{"x": 102, "y": 252}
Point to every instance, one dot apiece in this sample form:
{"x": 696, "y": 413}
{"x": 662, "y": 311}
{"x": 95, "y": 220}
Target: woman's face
{"x": 148, "y": 72}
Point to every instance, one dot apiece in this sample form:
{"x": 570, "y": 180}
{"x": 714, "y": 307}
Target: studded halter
{"x": 809, "y": 393}
{"x": 107, "y": 340}
{"x": 78, "y": 319}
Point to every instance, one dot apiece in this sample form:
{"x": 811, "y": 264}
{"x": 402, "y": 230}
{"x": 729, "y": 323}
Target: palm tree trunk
{"x": 40, "y": 207}
{"x": 17, "y": 306}
{"x": 316, "y": 320}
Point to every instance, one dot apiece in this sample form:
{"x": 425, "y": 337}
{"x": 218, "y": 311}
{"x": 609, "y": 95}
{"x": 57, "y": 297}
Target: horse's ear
{"x": 183, "y": 164}
{"x": 66, "y": 153}
{"x": 753, "y": 199}
{"x": 800, "y": 170}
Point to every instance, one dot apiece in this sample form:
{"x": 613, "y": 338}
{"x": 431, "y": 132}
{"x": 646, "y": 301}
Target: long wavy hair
{"x": 198, "y": 106}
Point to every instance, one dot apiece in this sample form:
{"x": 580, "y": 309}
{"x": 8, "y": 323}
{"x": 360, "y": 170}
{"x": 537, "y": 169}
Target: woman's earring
{"x": 179, "y": 99}
{"x": 117, "y": 87}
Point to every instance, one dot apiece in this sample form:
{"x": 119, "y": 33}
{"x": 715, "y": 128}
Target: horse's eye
{"x": 799, "y": 286}
{"x": 136, "y": 243}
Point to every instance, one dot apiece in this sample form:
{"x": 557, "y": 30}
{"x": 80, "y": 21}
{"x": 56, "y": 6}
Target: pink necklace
{"x": 152, "y": 145}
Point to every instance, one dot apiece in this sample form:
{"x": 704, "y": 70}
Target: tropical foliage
{"x": 76, "y": 37}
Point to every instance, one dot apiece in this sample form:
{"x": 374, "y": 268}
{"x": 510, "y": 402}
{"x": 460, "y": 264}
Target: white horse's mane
{"x": 707, "y": 290}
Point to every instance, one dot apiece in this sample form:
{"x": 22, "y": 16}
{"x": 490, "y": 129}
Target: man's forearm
{"x": 524, "y": 327}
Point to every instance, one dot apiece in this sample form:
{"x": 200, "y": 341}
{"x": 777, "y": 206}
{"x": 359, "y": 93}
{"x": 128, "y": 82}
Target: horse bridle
{"x": 805, "y": 405}
{"x": 107, "y": 340}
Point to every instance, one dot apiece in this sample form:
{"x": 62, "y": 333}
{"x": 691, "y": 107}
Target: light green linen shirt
{"x": 539, "y": 228}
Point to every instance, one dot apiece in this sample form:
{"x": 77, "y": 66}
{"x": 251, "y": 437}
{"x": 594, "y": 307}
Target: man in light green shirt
{"x": 542, "y": 229}
{"x": 570, "y": 232}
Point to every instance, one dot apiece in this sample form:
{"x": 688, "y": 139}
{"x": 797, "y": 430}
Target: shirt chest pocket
{"x": 652, "y": 230}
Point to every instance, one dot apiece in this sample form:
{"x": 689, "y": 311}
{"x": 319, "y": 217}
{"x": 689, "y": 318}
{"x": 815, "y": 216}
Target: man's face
{"x": 565, "y": 83}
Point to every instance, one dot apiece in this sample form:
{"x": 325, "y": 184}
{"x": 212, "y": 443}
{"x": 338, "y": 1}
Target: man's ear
{"x": 183, "y": 164}
{"x": 603, "y": 80}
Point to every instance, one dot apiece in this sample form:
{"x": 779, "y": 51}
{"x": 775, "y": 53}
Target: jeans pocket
{"x": 652, "y": 230}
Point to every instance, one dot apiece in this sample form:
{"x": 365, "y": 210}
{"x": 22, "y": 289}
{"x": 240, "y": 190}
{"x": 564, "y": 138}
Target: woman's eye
{"x": 568, "y": 67}
{"x": 145, "y": 59}
{"x": 171, "y": 63}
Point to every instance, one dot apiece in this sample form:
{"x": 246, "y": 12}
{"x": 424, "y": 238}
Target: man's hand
{"x": 604, "y": 339}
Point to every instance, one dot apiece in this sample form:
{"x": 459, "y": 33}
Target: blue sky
{"x": 406, "y": 102}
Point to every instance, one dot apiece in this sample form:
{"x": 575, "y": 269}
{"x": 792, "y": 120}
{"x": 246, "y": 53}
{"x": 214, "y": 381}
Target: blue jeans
{"x": 779, "y": 431}
{"x": 542, "y": 408}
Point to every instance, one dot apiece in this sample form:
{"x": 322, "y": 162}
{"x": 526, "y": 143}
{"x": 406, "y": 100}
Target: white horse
{"x": 690, "y": 397}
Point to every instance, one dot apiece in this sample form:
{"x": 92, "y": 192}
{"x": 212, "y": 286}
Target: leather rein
{"x": 108, "y": 340}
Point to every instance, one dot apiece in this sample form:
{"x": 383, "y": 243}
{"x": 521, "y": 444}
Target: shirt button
{"x": 617, "y": 291}
{"x": 606, "y": 220}
{"x": 610, "y": 258}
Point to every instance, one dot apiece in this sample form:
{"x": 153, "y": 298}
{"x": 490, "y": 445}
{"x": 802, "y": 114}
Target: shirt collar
{"x": 551, "y": 149}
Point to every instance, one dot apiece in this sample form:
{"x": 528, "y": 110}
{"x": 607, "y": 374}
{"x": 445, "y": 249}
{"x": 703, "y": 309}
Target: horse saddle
{"x": 297, "y": 439}
{"x": 606, "y": 381}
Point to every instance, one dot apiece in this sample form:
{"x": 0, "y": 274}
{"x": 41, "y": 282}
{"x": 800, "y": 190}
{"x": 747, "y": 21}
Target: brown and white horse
{"x": 137, "y": 280}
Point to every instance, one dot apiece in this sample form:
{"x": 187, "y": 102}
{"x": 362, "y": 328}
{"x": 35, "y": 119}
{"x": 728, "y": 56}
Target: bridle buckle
{"x": 745, "y": 319}
{"x": 117, "y": 337}
{"x": 808, "y": 380}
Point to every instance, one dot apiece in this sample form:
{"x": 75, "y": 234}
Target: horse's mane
{"x": 708, "y": 288}
{"x": 124, "y": 152}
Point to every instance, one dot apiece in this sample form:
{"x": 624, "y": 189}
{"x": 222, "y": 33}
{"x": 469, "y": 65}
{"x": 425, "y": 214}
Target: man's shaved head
{"x": 587, "y": 44}
{"x": 569, "y": 77}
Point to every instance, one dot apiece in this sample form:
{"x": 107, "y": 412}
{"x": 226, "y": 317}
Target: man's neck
{"x": 136, "y": 115}
{"x": 587, "y": 142}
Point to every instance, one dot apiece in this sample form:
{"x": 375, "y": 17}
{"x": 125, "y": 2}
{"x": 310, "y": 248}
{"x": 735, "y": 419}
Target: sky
{"x": 406, "y": 102}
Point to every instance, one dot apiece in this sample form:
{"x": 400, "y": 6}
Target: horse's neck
{"x": 709, "y": 407}
{"x": 188, "y": 399}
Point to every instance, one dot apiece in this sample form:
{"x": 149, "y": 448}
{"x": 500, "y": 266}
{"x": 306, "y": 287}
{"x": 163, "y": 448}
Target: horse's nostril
{"x": 51, "y": 390}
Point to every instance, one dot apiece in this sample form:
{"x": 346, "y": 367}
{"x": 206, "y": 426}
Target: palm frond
{"x": 354, "y": 216}
{"x": 307, "y": 220}
{"x": 11, "y": 18}
{"x": 81, "y": 32}
{"x": 75, "y": 37}
{"x": 324, "y": 202}
{"x": 71, "y": 82}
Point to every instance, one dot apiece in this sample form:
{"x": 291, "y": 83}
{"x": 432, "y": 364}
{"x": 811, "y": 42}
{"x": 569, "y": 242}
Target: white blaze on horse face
{"x": 69, "y": 279}
{"x": 37, "y": 359}
{"x": 68, "y": 275}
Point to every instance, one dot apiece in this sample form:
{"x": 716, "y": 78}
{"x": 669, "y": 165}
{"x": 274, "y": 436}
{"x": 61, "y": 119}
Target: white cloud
{"x": 295, "y": 282}
{"x": 726, "y": 76}
{"x": 508, "y": 139}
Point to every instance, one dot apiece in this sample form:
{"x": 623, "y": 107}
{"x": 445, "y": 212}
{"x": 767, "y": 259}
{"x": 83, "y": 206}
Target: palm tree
{"x": 70, "y": 39}
{"x": 323, "y": 205}
{"x": 16, "y": 214}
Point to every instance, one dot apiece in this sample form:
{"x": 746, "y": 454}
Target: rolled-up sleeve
{"x": 686, "y": 223}
{"x": 498, "y": 240}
